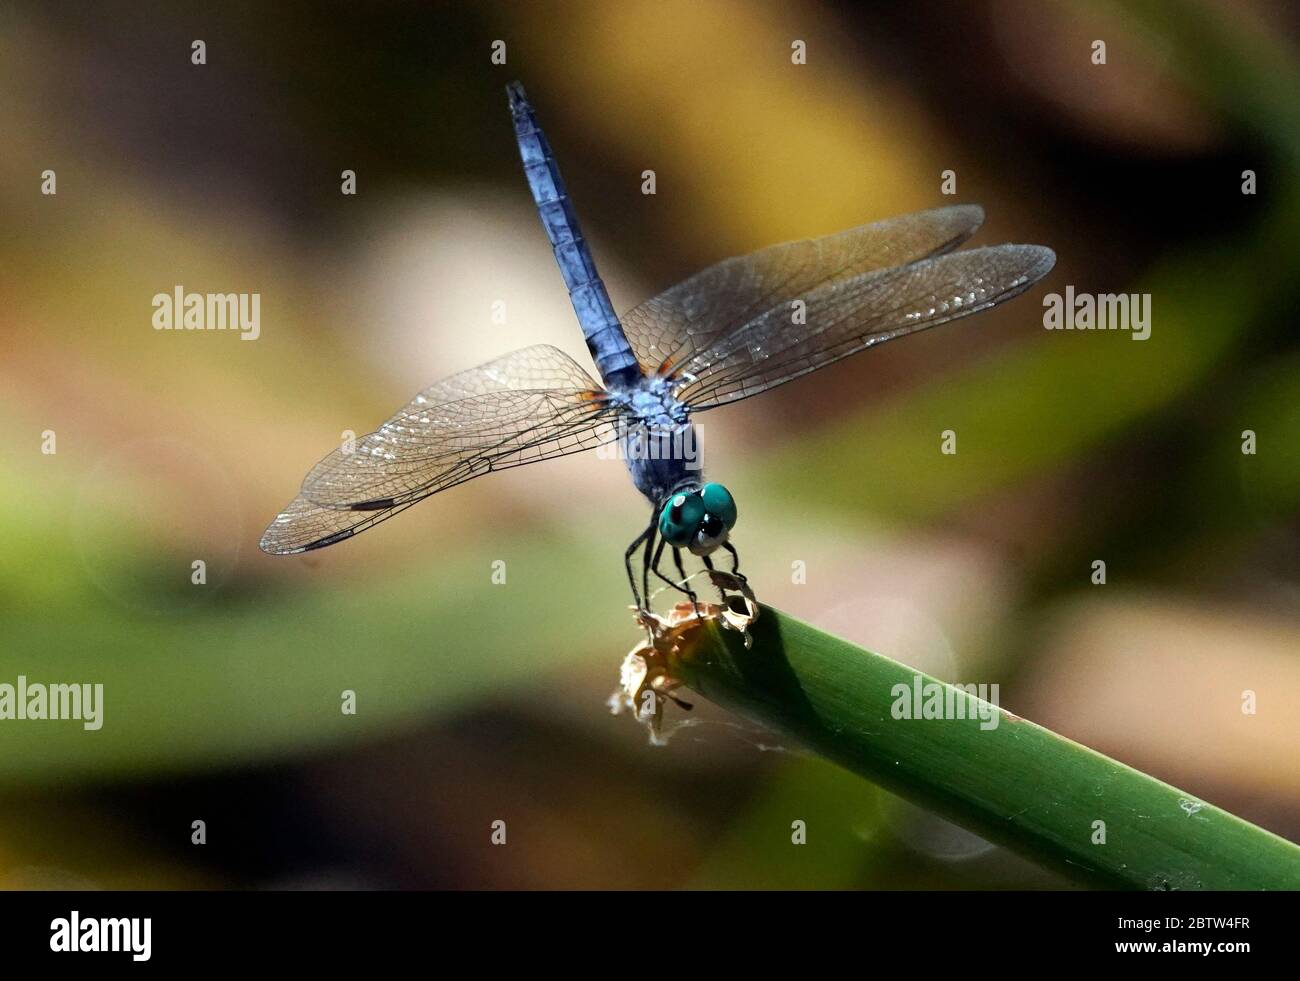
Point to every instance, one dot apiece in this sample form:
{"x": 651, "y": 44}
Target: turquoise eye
{"x": 680, "y": 518}
{"x": 719, "y": 503}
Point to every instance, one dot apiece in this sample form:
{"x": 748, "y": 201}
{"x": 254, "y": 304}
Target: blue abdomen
{"x": 605, "y": 338}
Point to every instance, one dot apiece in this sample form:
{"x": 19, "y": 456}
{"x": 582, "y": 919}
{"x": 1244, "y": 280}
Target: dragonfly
{"x": 738, "y": 328}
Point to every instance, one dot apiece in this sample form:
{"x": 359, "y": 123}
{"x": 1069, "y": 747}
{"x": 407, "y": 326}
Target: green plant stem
{"x": 1016, "y": 783}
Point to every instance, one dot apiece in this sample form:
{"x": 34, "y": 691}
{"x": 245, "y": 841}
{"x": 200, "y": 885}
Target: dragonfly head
{"x": 699, "y": 520}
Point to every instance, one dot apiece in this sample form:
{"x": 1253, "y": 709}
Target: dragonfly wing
{"x": 529, "y": 405}
{"x": 303, "y": 526}
{"x": 677, "y": 325}
{"x": 850, "y": 315}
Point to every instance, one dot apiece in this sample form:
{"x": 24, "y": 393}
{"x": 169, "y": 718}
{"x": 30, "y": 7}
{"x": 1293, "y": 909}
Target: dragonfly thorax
{"x": 651, "y": 401}
{"x": 661, "y": 457}
{"x": 657, "y": 440}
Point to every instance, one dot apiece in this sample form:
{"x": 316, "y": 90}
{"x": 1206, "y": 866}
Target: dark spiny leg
{"x": 735, "y": 561}
{"x": 708, "y": 564}
{"x": 657, "y": 571}
{"x": 681, "y": 587}
{"x": 651, "y": 533}
{"x": 736, "y": 577}
{"x": 654, "y": 566}
{"x": 681, "y": 571}
{"x": 627, "y": 562}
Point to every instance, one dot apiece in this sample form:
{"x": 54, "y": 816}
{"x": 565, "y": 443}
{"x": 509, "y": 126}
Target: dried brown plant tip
{"x": 646, "y": 680}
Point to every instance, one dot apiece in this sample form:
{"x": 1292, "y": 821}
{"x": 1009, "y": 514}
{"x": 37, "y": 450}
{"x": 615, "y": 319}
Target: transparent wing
{"x": 303, "y": 526}
{"x": 533, "y": 404}
{"x": 849, "y": 315}
{"x": 677, "y": 325}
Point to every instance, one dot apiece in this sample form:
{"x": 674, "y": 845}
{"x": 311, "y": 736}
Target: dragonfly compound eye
{"x": 719, "y": 503}
{"x": 680, "y": 518}
{"x": 712, "y": 533}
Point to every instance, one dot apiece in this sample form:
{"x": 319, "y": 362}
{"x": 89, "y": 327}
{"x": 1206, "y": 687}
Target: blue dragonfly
{"x": 738, "y": 328}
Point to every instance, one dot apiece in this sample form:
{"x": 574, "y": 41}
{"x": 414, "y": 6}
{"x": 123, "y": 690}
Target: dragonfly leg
{"x": 735, "y": 561}
{"x": 681, "y": 571}
{"x": 627, "y": 562}
{"x": 679, "y": 586}
{"x": 645, "y": 559}
{"x": 708, "y": 564}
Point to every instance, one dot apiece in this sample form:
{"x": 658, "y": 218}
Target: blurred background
{"x": 479, "y": 702}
